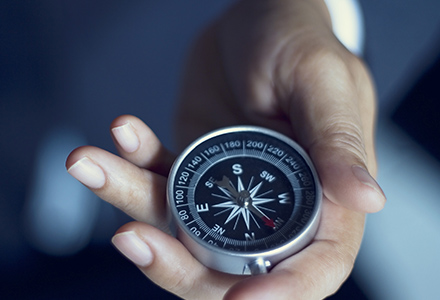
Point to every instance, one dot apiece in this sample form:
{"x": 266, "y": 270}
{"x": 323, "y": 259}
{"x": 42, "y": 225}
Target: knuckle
{"x": 180, "y": 282}
{"x": 325, "y": 65}
{"x": 321, "y": 61}
{"x": 128, "y": 198}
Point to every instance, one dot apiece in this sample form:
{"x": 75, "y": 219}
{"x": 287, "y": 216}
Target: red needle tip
{"x": 268, "y": 222}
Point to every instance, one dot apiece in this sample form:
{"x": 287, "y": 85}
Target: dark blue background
{"x": 79, "y": 64}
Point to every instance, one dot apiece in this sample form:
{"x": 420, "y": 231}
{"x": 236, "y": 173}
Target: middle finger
{"x": 138, "y": 192}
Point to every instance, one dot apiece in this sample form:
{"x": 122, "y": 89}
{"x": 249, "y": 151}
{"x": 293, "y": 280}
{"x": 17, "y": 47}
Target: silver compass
{"x": 244, "y": 198}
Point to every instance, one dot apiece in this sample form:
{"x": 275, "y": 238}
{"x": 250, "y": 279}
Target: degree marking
{"x": 226, "y": 153}
{"x": 206, "y": 234}
{"x": 206, "y": 158}
{"x": 281, "y": 160}
{"x": 264, "y": 149}
{"x": 265, "y": 243}
{"x": 283, "y": 235}
{"x": 191, "y": 221}
{"x": 183, "y": 187}
{"x": 311, "y": 187}
{"x": 294, "y": 172}
{"x": 194, "y": 171}
{"x": 303, "y": 205}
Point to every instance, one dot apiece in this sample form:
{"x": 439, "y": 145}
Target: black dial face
{"x": 245, "y": 191}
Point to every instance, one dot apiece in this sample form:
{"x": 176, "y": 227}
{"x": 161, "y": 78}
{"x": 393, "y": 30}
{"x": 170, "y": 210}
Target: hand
{"x": 269, "y": 63}
{"x": 277, "y": 64}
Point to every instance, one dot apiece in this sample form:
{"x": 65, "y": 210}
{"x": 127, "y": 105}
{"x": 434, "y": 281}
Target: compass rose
{"x": 244, "y": 202}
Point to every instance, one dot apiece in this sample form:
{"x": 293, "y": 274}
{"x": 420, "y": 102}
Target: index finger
{"x": 138, "y": 144}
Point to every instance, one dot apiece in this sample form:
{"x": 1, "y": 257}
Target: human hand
{"x": 274, "y": 64}
{"x": 277, "y": 64}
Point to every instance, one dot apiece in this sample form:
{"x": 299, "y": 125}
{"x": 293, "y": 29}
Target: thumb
{"x": 345, "y": 178}
{"x": 333, "y": 117}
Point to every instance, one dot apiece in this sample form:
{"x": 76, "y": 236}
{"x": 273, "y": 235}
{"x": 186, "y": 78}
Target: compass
{"x": 244, "y": 198}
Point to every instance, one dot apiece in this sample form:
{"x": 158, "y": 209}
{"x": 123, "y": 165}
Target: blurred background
{"x": 68, "y": 68}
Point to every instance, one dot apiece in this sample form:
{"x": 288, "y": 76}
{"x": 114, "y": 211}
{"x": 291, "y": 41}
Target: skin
{"x": 275, "y": 64}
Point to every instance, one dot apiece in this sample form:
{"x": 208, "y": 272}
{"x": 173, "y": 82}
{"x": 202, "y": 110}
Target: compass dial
{"x": 243, "y": 194}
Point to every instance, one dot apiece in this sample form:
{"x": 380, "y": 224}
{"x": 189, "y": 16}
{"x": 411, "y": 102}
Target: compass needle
{"x": 244, "y": 193}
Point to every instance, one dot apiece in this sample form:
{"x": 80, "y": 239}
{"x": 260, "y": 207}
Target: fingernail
{"x": 133, "y": 247}
{"x": 126, "y": 137}
{"x": 363, "y": 176}
{"x": 88, "y": 173}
